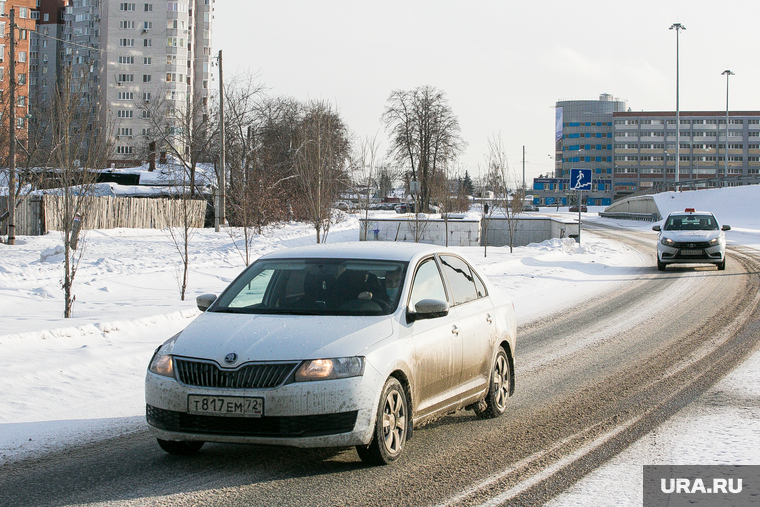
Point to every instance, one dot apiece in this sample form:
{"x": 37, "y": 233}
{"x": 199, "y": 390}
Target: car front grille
{"x": 248, "y": 376}
{"x": 693, "y": 245}
{"x": 286, "y": 426}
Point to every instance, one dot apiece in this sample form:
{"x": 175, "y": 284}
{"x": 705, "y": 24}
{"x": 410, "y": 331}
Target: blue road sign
{"x": 580, "y": 179}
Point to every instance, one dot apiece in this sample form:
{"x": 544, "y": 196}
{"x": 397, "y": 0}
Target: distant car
{"x": 343, "y": 206}
{"x": 531, "y": 207}
{"x": 574, "y": 209}
{"x": 405, "y": 207}
{"x": 691, "y": 236}
{"x": 350, "y": 344}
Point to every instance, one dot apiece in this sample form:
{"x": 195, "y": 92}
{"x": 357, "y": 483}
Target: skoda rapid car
{"x": 350, "y": 344}
{"x": 691, "y": 236}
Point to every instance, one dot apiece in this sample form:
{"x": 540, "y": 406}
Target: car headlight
{"x": 668, "y": 242}
{"x": 716, "y": 241}
{"x": 328, "y": 369}
{"x": 162, "y": 362}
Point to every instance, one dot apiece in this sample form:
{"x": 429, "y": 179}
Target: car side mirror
{"x": 429, "y": 309}
{"x": 204, "y": 301}
{"x": 656, "y": 228}
{"x": 725, "y": 228}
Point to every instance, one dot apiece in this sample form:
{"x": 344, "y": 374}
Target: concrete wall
{"x": 527, "y": 230}
{"x": 461, "y": 232}
{"x": 639, "y": 204}
{"x": 466, "y": 232}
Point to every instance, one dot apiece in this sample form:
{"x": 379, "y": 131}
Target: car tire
{"x": 722, "y": 265}
{"x": 180, "y": 448}
{"x": 660, "y": 265}
{"x": 391, "y": 426}
{"x": 499, "y": 388}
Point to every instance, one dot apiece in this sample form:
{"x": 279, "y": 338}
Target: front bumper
{"x": 669, "y": 255}
{"x": 330, "y": 413}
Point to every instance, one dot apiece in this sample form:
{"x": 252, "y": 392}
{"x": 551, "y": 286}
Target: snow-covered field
{"x": 68, "y": 380}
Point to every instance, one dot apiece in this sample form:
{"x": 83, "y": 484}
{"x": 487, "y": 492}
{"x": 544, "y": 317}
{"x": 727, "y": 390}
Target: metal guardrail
{"x": 642, "y": 217}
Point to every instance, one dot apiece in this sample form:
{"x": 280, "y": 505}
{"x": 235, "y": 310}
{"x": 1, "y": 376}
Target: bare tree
{"x": 184, "y": 131}
{"x": 424, "y": 134}
{"x": 508, "y": 204}
{"x": 319, "y": 162}
{"x": 443, "y": 192}
{"x": 364, "y": 165}
{"x": 182, "y": 234}
{"x": 78, "y": 147}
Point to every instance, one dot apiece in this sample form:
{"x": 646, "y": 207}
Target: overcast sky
{"x": 502, "y": 64}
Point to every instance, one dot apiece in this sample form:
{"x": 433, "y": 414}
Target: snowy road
{"x": 590, "y": 381}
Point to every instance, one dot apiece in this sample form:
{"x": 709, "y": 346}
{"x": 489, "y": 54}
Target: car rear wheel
{"x": 500, "y": 386}
{"x": 180, "y": 448}
{"x": 391, "y": 427}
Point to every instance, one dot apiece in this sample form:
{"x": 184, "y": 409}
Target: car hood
{"x": 686, "y": 236}
{"x": 280, "y": 337}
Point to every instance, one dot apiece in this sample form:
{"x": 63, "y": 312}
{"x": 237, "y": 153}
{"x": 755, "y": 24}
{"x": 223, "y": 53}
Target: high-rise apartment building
{"x": 127, "y": 57}
{"x": 24, "y": 20}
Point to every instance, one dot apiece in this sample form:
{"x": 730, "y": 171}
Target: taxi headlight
{"x": 716, "y": 241}
{"x": 668, "y": 242}
{"x": 328, "y": 369}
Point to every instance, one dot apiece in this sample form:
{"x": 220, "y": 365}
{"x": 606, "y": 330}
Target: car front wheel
{"x": 391, "y": 427}
{"x": 498, "y": 391}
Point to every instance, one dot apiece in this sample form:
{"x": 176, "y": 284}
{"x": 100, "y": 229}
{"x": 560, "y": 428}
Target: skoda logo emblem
{"x": 230, "y": 358}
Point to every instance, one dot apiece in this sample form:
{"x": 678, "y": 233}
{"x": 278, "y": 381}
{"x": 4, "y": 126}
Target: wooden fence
{"x": 37, "y": 215}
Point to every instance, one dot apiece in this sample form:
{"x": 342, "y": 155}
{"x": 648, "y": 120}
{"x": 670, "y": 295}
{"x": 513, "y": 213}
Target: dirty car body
{"x": 335, "y": 345}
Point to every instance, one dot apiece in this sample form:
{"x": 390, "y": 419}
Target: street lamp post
{"x": 678, "y": 27}
{"x": 725, "y": 174}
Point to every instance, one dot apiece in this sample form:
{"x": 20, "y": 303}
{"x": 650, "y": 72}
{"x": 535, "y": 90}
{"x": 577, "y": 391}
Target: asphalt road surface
{"x": 590, "y": 381}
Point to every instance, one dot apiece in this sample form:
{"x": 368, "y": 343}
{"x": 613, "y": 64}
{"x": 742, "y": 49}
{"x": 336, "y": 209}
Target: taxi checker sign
{"x": 580, "y": 179}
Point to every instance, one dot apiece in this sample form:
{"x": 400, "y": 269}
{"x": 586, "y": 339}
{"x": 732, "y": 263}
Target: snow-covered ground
{"x": 68, "y": 380}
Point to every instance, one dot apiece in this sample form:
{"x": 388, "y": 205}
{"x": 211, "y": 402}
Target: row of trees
{"x": 285, "y": 159}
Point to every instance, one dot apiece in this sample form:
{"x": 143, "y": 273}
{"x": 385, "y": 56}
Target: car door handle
{"x": 489, "y": 319}
{"x": 455, "y": 330}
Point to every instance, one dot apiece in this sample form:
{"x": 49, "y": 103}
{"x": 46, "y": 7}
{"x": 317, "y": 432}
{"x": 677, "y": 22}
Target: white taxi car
{"x": 348, "y": 344}
{"x": 690, "y": 236}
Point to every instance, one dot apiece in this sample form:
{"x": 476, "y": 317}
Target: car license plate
{"x": 691, "y": 252}
{"x": 234, "y": 406}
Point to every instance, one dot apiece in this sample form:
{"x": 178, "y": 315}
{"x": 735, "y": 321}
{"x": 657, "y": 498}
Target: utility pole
{"x": 524, "y": 169}
{"x": 220, "y": 217}
{"x": 12, "y": 134}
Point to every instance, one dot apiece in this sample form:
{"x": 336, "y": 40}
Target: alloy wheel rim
{"x": 394, "y": 422}
{"x": 501, "y": 382}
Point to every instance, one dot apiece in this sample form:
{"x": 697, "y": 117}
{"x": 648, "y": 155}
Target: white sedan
{"x": 351, "y": 344}
{"x": 691, "y": 236}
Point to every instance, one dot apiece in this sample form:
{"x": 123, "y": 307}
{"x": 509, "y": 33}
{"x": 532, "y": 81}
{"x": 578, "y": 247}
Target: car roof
{"x": 387, "y": 250}
{"x": 674, "y": 213}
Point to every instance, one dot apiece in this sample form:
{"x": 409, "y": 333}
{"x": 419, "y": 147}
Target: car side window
{"x": 460, "y": 278}
{"x": 427, "y": 283}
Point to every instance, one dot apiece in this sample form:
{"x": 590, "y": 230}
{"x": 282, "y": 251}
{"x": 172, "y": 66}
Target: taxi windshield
{"x": 691, "y": 223}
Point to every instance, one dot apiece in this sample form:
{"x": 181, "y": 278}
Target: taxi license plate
{"x": 233, "y": 406}
{"x": 691, "y": 252}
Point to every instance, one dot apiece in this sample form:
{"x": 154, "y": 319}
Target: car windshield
{"x": 691, "y": 223}
{"x": 315, "y": 287}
